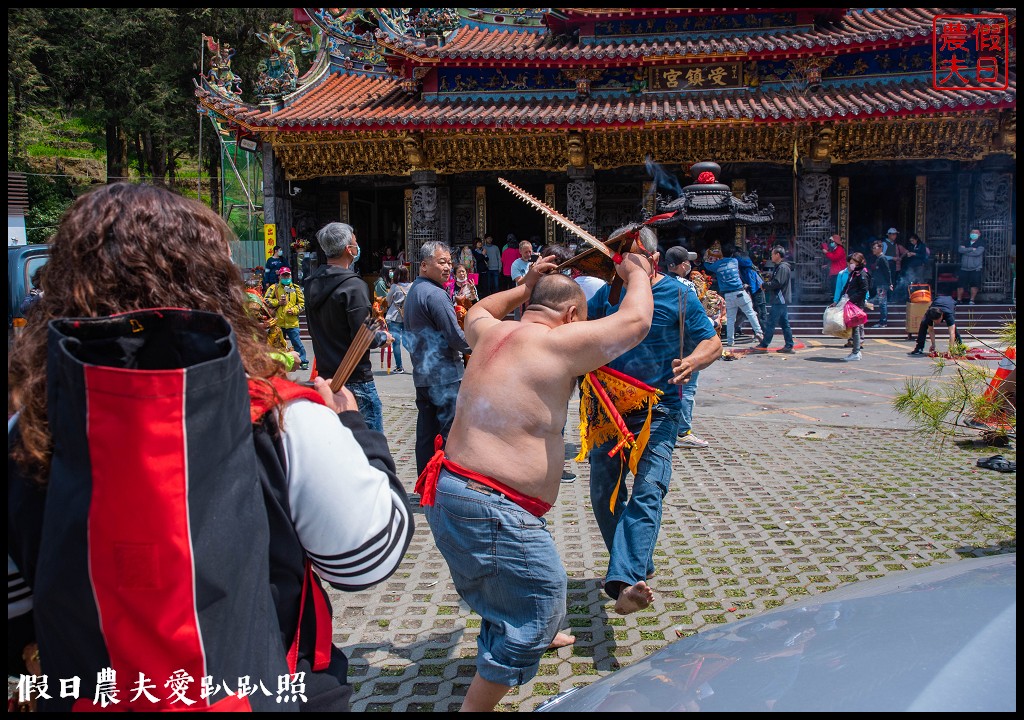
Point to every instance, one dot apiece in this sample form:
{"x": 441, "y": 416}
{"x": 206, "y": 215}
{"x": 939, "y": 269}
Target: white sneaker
{"x": 852, "y": 356}
{"x": 689, "y": 440}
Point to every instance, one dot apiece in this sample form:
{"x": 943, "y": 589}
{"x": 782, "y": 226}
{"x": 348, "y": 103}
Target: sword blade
{"x": 557, "y": 217}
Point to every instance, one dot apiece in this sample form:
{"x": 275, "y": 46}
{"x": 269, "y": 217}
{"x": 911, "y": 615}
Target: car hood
{"x": 942, "y": 638}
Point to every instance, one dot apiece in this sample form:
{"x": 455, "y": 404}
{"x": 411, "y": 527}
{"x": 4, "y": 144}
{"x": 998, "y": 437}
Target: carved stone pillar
{"x": 424, "y": 213}
{"x": 739, "y": 187}
{"x": 814, "y": 224}
{"x": 843, "y": 208}
{"x": 582, "y": 198}
{"x": 277, "y": 206}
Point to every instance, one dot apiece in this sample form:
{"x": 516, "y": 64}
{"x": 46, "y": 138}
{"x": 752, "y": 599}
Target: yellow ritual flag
{"x": 605, "y": 396}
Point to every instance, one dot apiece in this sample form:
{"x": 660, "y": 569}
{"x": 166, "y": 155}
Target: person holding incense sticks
{"x": 642, "y": 383}
{"x": 337, "y": 305}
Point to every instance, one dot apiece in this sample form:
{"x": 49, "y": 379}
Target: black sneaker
{"x": 568, "y": 477}
{"x": 917, "y": 352}
{"x": 304, "y": 365}
{"x": 787, "y": 351}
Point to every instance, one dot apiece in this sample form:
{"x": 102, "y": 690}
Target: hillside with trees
{"x": 100, "y": 94}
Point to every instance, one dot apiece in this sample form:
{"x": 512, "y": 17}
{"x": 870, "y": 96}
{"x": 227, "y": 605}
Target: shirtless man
{"x": 486, "y": 494}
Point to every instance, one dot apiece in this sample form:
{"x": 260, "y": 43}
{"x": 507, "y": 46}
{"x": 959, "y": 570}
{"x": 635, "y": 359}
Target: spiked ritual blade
{"x": 557, "y": 217}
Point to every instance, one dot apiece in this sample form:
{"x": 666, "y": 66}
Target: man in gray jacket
{"x": 778, "y": 288}
{"x": 436, "y": 345}
{"x": 972, "y": 259}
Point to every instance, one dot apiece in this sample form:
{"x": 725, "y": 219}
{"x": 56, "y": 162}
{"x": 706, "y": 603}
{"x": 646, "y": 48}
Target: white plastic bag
{"x": 832, "y": 322}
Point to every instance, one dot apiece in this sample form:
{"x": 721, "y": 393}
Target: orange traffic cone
{"x": 1001, "y": 390}
{"x": 312, "y": 372}
{"x": 1006, "y": 365}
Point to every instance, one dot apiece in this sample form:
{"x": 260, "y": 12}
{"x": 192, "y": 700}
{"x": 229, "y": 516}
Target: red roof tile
{"x": 357, "y": 102}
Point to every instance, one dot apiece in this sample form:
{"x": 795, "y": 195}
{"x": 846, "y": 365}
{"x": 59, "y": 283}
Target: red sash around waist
{"x": 426, "y": 483}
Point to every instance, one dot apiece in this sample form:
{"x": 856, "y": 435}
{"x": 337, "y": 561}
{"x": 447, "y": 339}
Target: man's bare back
{"x": 513, "y": 401}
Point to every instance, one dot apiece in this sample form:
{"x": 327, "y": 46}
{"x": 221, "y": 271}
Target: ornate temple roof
{"x": 444, "y": 71}
{"x": 885, "y": 28}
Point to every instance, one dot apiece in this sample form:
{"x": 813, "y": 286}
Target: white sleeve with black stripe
{"x": 354, "y": 527}
{"x": 19, "y": 594}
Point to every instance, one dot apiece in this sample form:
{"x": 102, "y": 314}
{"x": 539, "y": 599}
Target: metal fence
{"x": 248, "y": 254}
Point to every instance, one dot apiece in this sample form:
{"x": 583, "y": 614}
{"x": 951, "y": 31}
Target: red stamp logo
{"x": 969, "y": 52}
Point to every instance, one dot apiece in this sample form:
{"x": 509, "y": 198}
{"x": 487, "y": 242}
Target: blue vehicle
{"x": 22, "y": 263}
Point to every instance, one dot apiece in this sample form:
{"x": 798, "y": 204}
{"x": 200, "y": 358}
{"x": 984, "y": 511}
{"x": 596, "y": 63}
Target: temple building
{"x": 840, "y": 119}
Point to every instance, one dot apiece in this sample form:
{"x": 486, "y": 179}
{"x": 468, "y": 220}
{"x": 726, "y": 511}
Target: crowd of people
{"x": 324, "y": 483}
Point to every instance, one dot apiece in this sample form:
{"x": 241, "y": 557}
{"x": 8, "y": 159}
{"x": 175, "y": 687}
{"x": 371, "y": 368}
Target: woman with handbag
{"x": 855, "y": 311}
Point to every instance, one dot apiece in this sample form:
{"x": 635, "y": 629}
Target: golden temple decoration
{"x": 577, "y": 150}
{"x": 325, "y": 154}
{"x": 481, "y": 211}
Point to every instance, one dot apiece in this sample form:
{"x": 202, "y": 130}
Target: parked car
{"x": 941, "y": 638}
{"x": 22, "y": 263}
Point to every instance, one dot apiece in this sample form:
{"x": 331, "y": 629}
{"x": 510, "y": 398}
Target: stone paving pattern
{"x": 762, "y": 517}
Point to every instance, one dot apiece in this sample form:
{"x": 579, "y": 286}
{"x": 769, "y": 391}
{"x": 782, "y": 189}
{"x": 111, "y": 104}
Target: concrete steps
{"x": 983, "y": 321}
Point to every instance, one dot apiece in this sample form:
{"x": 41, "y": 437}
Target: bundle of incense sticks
{"x": 360, "y": 344}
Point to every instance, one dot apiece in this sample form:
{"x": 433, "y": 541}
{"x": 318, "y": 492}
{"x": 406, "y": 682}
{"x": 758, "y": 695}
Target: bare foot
{"x": 562, "y": 640}
{"x": 633, "y": 598}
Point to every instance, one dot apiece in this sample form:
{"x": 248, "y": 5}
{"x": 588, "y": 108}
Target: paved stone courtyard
{"x": 780, "y": 506}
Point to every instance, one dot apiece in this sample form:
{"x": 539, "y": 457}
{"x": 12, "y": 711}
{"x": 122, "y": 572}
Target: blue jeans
{"x": 293, "y": 336}
{"x": 396, "y": 328}
{"x": 882, "y": 298}
{"x": 435, "y": 411}
{"x": 686, "y": 394}
{"x": 630, "y": 531}
{"x": 506, "y": 567}
{"x": 735, "y": 302}
{"x": 493, "y": 281}
{"x": 369, "y": 404}
{"x": 778, "y": 315}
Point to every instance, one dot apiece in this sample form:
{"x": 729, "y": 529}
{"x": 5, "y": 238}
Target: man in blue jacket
{"x": 730, "y": 286}
{"x": 436, "y": 345}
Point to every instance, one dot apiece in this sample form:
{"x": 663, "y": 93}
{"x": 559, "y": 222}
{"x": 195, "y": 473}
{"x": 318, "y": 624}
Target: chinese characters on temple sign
{"x": 290, "y": 688}
{"x": 969, "y": 52}
{"x": 696, "y": 77}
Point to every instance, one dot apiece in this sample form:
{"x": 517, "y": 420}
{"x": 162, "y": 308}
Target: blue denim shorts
{"x": 506, "y": 567}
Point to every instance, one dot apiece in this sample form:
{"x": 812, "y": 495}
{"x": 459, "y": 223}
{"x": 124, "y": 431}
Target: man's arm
{"x": 589, "y": 345}
{"x": 497, "y": 306}
{"x": 706, "y": 352}
{"x": 952, "y": 336}
{"x": 931, "y": 335}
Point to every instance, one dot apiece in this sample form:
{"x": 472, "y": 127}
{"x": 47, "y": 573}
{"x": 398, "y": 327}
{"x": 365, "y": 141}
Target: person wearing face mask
{"x": 274, "y": 263}
{"x": 835, "y": 251}
{"x": 972, "y": 259}
{"x": 856, "y": 289}
{"x": 338, "y": 304}
{"x": 288, "y": 301}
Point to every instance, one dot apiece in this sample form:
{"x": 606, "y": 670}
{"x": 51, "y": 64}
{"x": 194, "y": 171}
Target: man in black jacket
{"x": 337, "y": 304}
{"x": 436, "y": 345}
{"x": 881, "y": 281}
{"x": 778, "y": 288}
